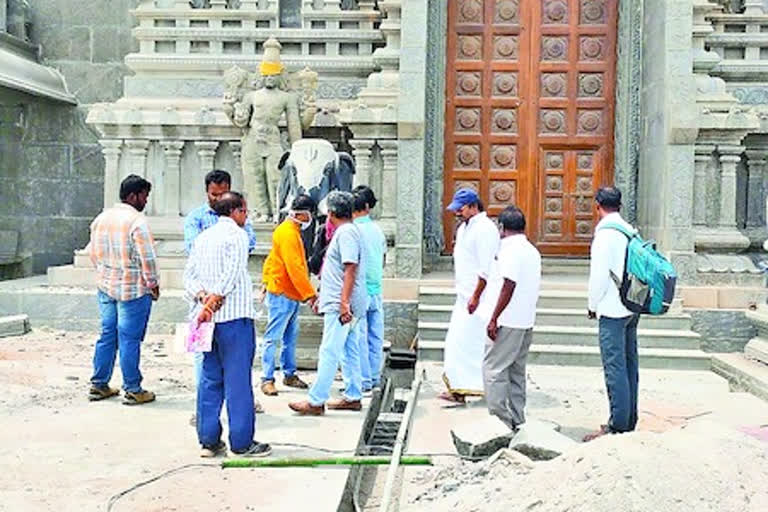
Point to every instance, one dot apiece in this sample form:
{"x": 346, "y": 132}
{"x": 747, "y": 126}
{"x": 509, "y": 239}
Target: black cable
{"x": 116, "y": 497}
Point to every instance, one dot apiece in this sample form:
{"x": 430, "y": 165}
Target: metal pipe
{"x": 399, "y": 445}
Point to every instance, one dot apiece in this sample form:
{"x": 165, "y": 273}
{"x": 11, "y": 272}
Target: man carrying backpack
{"x": 617, "y": 325}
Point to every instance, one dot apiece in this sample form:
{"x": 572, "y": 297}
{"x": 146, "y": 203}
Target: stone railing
{"x": 730, "y": 60}
{"x": 176, "y": 39}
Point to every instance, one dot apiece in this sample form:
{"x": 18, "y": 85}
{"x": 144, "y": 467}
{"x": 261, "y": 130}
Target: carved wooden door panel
{"x": 529, "y": 112}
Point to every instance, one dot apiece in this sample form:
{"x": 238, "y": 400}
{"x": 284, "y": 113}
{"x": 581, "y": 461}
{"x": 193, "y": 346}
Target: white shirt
{"x": 477, "y": 242}
{"x": 519, "y": 261}
{"x": 609, "y": 248}
{"x": 218, "y": 264}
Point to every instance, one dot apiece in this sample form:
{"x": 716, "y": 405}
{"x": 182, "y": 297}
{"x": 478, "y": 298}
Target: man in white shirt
{"x": 515, "y": 284}
{"x": 617, "y": 325}
{"x": 216, "y": 278}
{"x": 477, "y": 241}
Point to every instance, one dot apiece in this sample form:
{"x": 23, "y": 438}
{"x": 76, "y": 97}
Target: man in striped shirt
{"x": 216, "y": 278}
{"x": 122, "y": 249}
{"x": 217, "y": 182}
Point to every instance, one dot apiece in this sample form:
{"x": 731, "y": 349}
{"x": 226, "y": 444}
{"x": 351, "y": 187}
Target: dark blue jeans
{"x": 618, "y": 349}
{"x": 227, "y": 376}
{"x": 123, "y": 325}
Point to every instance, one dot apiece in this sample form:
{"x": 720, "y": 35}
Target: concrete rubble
{"x": 482, "y": 437}
{"x": 540, "y": 440}
{"x": 14, "y": 325}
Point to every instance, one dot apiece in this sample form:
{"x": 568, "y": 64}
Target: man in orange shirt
{"x": 286, "y": 278}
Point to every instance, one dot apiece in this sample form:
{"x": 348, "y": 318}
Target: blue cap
{"x": 463, "y": 197}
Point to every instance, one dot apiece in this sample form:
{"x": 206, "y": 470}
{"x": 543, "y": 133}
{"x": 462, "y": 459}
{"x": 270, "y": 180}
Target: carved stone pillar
{"x": 172, "y": 182}
{"x": 389, "y": 178}
{"x": 111, "y": 149}
{"x": 730, "y": 156}
{"x": 362, "y": 153}
{"x": 237, "y": 163}
{"x": 206, "y": 150}
{"x": 137, "y": 150}
{"x": 756, "y": 161}
{"x": 702, "y": 162}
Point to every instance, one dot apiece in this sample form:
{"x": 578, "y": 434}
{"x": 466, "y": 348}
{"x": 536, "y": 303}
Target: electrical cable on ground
{"x": 114, "y": 499}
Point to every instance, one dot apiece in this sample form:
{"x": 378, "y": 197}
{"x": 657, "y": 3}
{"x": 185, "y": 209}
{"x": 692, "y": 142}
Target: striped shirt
{"x": 123, "y": 251}
{"x": 203, "y": 217}
{"x": 218, "y": 264}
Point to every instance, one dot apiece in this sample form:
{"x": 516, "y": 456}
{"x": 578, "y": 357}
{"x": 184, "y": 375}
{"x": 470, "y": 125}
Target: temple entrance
{"x": 529, "y": 112}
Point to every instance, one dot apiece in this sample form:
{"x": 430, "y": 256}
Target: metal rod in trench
{"x": 400, "y": 444}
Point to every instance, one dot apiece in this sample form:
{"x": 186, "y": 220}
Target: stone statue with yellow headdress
{"x": 256, "y": 102}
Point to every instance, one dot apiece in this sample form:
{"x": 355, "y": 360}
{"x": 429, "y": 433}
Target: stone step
{"x": 548, "y": 298}
{"x": 582, "y": 336}
{"x": 564, "y": 317}
{"x": 742, "y": 373}
{"x": 757, "y": 350}
{"x": 568, "y": 355}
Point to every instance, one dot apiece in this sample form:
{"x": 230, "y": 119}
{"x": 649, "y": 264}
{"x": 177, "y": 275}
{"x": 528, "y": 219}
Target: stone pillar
{"x": 172, "y": 182}
{"x": 702, "y": 160}
{"x": 362, "y": 153}
{"x": 237, "y": 163}
{"x": 756, "y": 162}
{"x": 111, "y": 149}
{"x": 411, "y": 115}
{"x": 4, "y": 17}
{"x": 753, "y": 8}
{"x": 206, "y": 150}
{"x": 730, "y": 156}
{"x": 137, "y": 150}
{"x": 389, "y": 178}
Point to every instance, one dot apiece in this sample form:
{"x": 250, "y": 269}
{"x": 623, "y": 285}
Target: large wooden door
{"x": 529, "y": 112}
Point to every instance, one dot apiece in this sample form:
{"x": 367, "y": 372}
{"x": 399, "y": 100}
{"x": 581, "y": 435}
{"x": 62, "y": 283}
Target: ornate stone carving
{"x": 172, "y": 177}
{"x": 553, "y": 85}
{"x": 554, "y": 48}
{"x": 389, "y": 151}
{"x": 751, "y": 95}
{"x": 551, "y": 121}
{"x": 555, "y": 12}
{"x": 256, "y": 103}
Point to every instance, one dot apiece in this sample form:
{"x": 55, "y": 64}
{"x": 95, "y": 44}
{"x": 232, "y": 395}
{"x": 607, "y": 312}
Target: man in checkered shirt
{"x": 123, "y": 251}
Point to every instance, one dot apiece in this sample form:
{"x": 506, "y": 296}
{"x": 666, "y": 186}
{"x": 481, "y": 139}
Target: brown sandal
{"x": 452, "y": 397}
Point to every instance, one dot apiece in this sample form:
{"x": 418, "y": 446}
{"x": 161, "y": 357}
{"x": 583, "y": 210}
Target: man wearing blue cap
{"x": 475, "y": 247}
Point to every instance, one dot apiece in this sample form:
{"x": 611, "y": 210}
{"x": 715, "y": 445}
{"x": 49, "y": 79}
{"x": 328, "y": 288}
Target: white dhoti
{"x": 464, "y": 351}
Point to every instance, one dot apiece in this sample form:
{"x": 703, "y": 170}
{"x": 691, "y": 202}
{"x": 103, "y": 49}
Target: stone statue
{"x": 257, "y": 102}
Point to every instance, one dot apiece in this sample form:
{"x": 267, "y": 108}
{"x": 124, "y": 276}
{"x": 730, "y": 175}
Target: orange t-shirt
{"x": 285, "y": 269}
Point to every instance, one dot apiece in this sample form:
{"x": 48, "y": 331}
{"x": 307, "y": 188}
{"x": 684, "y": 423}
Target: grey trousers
{"x": 504, "y": 374}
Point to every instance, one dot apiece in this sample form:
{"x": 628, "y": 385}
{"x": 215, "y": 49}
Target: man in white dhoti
{"x": 476, "y": 244}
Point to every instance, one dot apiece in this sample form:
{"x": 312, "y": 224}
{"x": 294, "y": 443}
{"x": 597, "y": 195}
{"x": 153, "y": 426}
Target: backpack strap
{"x": 620, "y": 228}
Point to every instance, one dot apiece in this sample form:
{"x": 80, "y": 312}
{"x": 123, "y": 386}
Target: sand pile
{"x": 702, "y": 467}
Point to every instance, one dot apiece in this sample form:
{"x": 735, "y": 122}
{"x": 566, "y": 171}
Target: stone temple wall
{"x": 51, "y": 166}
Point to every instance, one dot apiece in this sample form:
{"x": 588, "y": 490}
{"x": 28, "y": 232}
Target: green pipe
{"x": 337, "y": 461}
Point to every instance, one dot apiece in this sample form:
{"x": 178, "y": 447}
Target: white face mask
{"x": 303, "y": 224}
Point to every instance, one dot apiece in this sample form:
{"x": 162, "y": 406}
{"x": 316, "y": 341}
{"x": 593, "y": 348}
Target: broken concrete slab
{"x": 537, "y": 440}
{"x": 757, "y": 349}
{"x": 481, "y": 438}
{"x": 15, "y": 325}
